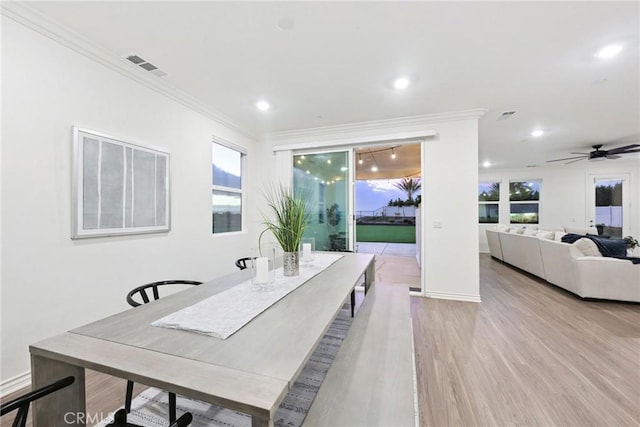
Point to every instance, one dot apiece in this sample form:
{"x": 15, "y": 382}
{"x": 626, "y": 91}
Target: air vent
{"x": 506, "y": 115}
{"x": 142, "y": 63}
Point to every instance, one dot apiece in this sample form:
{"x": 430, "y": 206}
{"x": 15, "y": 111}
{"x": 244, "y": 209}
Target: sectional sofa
{"x": 542, "y": 254}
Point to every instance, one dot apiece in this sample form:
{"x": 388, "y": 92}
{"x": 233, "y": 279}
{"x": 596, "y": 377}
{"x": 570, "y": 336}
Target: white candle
{"x": 306, "y": 251}
{"x": 262, "y": 270}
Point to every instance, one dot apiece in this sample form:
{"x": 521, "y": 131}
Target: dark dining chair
{"x": 120, "y": 420}
{"x": 242, "y": 263}
{"x": 23, "y": 402}
{"x": 141, "y": 291}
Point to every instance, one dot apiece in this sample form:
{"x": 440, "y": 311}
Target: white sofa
{"x": 564, "y": 265}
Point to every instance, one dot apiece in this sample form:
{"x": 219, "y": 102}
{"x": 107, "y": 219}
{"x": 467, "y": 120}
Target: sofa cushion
{"x": 587, "y": 247}
{"x": 581, "y": 230}
{"x": 549, "y": 235}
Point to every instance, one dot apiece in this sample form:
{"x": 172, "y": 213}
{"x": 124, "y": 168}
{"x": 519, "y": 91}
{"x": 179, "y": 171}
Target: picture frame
{"x": 118, "y": 187}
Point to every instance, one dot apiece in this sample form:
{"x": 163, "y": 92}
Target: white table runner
{"x": 223, "y": 314}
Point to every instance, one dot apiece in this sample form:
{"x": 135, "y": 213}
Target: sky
{"x": 374, "y": 194}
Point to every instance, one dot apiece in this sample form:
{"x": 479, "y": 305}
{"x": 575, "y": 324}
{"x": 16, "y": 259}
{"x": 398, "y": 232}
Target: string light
{"x": 359, "y": 159}
{"x": 393, "y": 153}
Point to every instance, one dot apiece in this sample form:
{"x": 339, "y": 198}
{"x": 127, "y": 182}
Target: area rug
{"x": 150, "y": 408}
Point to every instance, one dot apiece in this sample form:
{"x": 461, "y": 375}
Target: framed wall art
{"x": 118, "y": 187}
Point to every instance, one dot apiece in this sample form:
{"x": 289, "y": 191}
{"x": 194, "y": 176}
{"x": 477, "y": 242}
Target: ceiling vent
{"x": 142, "y": 63}
{"x": 506, "y": 115}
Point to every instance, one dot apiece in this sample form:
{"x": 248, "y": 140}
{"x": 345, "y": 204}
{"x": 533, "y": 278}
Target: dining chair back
{"x": 141, "y": 291}
{"x": 242, "y": 263}
{"x": 23, "y": 402}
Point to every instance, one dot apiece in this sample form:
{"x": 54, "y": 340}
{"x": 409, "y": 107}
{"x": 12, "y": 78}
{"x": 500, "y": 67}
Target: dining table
{"x": 251, "y": 371}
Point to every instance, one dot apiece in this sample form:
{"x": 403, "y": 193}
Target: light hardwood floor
{"x": 530, "y": 354}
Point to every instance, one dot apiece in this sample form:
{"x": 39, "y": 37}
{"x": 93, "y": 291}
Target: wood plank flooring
{"x": 530, "y": 354}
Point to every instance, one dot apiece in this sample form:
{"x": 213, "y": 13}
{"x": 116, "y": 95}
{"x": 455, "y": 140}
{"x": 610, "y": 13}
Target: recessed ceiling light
{"x": 609, "y": 51}
{"x": 486, "y": 164}
{"x": 536, "y": 133}
{"x": 262, "y": 105}
{"x": 401, "y": 83}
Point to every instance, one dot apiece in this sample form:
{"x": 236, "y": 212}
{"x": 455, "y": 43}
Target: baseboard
{"x": 452, "y": 296}
{"x": 416, "y": 402}
{"x": 485, "y": 251}
{"x": 15, "y": 383}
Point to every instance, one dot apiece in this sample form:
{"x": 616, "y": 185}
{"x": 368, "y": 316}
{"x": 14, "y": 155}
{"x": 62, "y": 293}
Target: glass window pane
{"x": 323, "y": 180}
{"x": 609, "y": 207}
{"x": 489, "y": 192}
{"x": 227, "y": 211}
{"x": 524, "y": 190}
{"x": 488, "y": 213}
{"x": 226, "y": 167}
{"x": 524, "y": 213}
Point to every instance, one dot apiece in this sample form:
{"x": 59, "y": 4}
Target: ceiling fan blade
{"x": 573, "y": 161}
{"x": 620, "y": 150}
{"x": 568, "y": 158}
{"x": 613, "y": 156}
{"x": 573, "y": 152}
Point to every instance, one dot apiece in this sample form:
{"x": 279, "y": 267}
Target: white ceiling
{"x": 336, "y": 64}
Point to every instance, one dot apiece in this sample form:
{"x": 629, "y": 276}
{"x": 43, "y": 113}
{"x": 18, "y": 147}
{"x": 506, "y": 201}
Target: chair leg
{"x": 172, "y": 407}
{"x": 353, "y": 302}
{"x": 127, "y": 401}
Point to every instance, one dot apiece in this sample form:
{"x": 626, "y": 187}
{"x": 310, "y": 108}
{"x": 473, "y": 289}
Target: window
{"x": 226, "y": 189}
{"x": 489, "y": 202}
{"x": 525, "y": 199}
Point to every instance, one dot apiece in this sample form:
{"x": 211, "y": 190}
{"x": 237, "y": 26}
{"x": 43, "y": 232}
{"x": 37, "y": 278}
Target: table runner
{"x": 223, "y": 314}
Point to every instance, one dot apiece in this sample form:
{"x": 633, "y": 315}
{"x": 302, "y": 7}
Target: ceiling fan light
{"x": 537, "y": 133}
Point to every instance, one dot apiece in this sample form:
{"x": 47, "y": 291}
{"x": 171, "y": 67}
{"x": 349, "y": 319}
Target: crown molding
{"x": 375, "y": 126}
{"x": 40, "y": 23}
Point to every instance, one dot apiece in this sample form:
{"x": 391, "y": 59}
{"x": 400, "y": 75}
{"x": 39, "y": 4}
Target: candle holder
{"x": 307, "y": 250}
{"x": 262, "y": 266}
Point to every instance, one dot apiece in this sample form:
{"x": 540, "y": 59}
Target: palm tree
{"x": 409, "y": 186}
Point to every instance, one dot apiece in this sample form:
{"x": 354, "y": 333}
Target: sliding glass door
{"x": 325, "y": 180}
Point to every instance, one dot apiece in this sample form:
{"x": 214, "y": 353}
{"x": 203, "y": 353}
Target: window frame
{"x": 523, "y": 202}
{"x": 243, "y": 171}
{"x": 490, "y": 202}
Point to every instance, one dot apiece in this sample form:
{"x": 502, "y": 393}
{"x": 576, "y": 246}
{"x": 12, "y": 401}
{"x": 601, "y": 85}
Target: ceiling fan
{"x": 597, "y": 153}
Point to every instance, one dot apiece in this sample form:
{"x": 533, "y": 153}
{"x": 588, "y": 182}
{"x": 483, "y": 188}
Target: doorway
{"x": 387, "y": 210}
{"x": 608, "y": 204}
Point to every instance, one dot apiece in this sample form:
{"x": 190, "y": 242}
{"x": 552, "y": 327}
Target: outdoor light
{"x": 374, "y": 168}
{"x": 359, "y": 159}
{"x": 393, "y": 153}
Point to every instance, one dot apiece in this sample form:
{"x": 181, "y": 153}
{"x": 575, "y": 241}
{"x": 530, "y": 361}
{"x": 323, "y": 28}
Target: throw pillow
{"x": 587, "y": 247}
{"x": 502, "y": 227}
{"x": 530, "y": 232}
{"x": 558, "y": 236}
{"x": 520, "y": 230}
{"x": 549, "y": 235}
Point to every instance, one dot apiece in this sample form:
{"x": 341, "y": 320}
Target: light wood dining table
{"x": 251, "y": 371}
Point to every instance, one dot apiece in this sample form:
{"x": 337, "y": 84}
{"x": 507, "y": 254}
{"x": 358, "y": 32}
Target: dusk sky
{"x": 374, "y": 194}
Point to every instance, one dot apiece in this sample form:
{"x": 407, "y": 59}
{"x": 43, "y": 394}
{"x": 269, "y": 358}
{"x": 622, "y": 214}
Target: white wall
{"x": 51, "y": 283}
{"x": 563, "y": 193}
{"x": 449, "y": 190}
